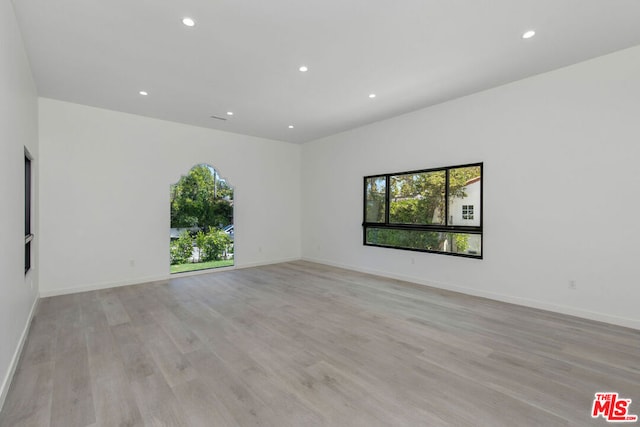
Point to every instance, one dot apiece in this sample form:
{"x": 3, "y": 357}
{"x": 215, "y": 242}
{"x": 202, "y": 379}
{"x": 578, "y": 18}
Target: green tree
{"x": 201, "y": 241}
{"x": 181, "y": 249}
{"x": 461, "y": 242}
{"x": 420, "y": 198}
{"x": 215, "y": 244}
{"x": 201, "y": 199}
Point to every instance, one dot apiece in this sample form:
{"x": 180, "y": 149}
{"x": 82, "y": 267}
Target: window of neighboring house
{"x": 467, "y": 211}
{"x": 432, "y": 210}
{"x": 28, "y": 236}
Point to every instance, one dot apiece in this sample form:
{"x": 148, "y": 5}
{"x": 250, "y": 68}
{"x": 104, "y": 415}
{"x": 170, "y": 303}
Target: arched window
{"x": 202, "y": 232}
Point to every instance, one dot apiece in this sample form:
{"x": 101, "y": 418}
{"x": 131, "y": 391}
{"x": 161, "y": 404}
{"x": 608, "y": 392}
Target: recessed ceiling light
{"x": 528, "y": 34}
{"x": 143, "y": 93}
{"x": 229, "y": 113}
{"x": 303, "y": 68}
{"x": 188, "y": 22}
{"x": 290, "y": 126}
{"x": 372, "y": 95}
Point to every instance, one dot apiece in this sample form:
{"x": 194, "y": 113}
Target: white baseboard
{"x": 141, "y": 280}
{"x": 542, "y": 305}
{"x": 103, "y": 285}
{"x": 6, "y": 382}
{"x": 261, "y": 263}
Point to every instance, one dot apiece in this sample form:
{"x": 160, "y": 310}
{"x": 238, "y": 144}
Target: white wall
{"x": 560, "y": 151}
{"x": 105, "y": 180}
{"x": 18, "y": 129}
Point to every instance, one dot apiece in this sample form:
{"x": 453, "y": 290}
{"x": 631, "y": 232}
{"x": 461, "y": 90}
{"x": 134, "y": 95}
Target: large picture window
{"x": 432, "y": 210}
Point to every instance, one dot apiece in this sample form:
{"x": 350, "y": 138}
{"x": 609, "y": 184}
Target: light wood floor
{"x": 300, "y": 344}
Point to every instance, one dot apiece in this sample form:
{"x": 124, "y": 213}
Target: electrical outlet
{"x": 572, "y": 285}
{"x": 132, "y": 263}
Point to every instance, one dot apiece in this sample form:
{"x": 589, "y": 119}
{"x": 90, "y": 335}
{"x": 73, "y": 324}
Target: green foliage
{"x": 410, "y": 211}
{"x": 461, "y": 242}
{"x": 458, "y": 179}
{"x": 419, "y": 239}
{"x": 201, "y": 199}
{"x": 201, "y": 241}
{"x": 413, "y": 239}
{"x": 181, "y": 249}
{"x": 214, "y": 245}
{"x": 420, "y": 198}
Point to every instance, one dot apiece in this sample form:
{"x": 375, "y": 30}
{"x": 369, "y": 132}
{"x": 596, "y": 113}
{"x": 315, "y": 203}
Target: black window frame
{"x": 446, "y": 228}
{"x": 28, "y": 204}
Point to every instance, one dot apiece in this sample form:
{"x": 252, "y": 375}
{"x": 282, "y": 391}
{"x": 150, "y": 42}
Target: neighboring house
{"x": 466, "y": 211}
{"x": 174, "y": 233}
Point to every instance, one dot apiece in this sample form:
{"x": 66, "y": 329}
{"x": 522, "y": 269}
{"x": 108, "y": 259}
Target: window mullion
{"x": 387, "y": 199}
{"x": 446, "y": 197}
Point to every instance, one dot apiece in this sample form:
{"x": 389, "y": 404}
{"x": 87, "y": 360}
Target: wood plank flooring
{"x": 301, "y": 344}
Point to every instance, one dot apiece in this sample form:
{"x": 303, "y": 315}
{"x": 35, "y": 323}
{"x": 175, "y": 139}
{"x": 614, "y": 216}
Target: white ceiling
{"x": 243, "y": 56}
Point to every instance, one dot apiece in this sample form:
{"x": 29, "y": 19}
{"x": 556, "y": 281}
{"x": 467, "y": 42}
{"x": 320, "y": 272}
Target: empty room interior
{"x": 325, "y": 213}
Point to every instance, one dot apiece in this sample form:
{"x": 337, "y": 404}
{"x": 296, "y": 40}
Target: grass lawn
{"x": 181, "y": 268}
